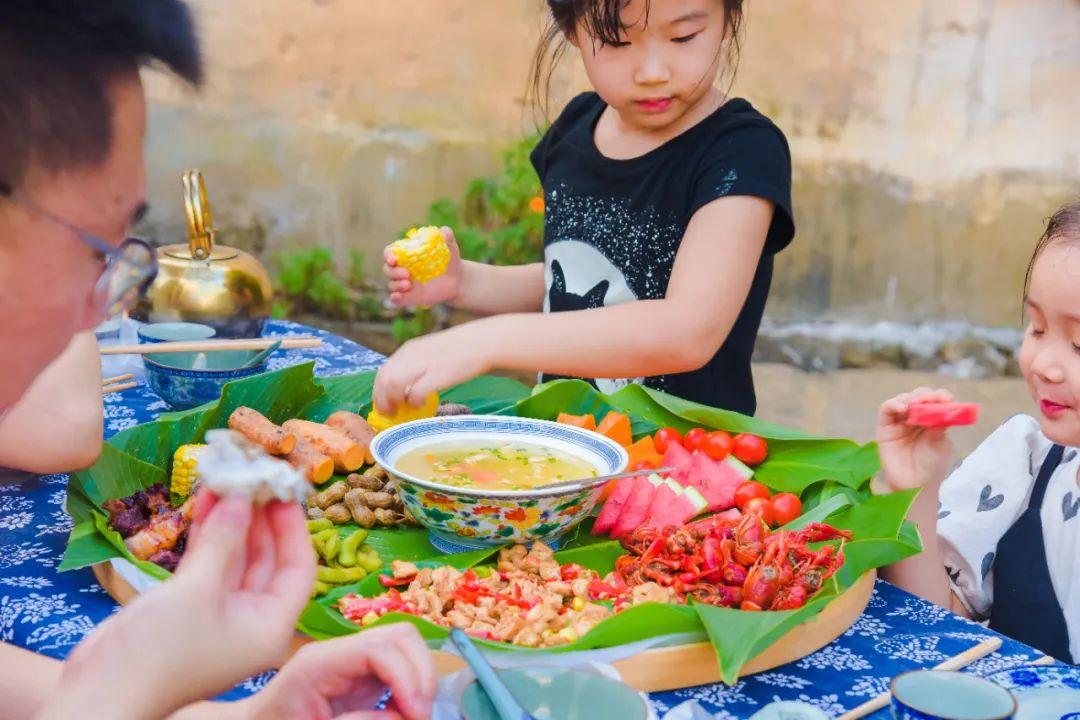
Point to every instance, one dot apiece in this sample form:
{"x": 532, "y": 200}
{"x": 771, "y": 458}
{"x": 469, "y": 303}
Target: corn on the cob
{"x": 405, "y": 413}
{"x": 423, "y": 252}
{"x": 184, "y": 473}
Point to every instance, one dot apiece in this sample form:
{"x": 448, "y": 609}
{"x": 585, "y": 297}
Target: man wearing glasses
{"x": 72, "y": 182}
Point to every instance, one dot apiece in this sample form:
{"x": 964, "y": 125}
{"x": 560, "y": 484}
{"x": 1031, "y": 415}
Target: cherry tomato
{"x": 718, "y": 445}
{"x": 750, "y": 449}
{"x": 665, "y": 437}
{"x": 748, "y": 491}
{"x": 642, "y": 465}
{"x": 760, "y": 506}
{"x": 786, "y": 507}
{"x": 695, "y": 439}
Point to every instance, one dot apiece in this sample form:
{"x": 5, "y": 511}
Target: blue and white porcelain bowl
{"x": 947, "y": 695}
{"x": 187, "y": 380}
{"x": 1043, "y": 692}
{"x": 174, "y": 332}
{"x": 460, "y": 519}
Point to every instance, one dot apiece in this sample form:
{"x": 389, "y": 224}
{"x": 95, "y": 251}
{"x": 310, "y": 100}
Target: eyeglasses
{"x": 129, "y": 269}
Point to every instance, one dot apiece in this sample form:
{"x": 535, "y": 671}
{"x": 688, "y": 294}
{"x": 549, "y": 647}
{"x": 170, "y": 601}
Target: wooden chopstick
{"x": 106, "y": 389}
{"x": 290, "y": 343}
{"x": 116, "y": 379}
{"x": 977, "y": 652}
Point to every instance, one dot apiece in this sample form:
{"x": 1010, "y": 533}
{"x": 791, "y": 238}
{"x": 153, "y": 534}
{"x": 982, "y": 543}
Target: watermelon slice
{"x": 718, "y": 481}
{"x": 637, "y": 506}
{"x": 679, "y": 460}
{"x": 943, "y": 414}
{"x": 674, "y": 505}
{"x": 611, "y": 510}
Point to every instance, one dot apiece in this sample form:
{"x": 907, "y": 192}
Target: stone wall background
{"x": 931, "y": 139}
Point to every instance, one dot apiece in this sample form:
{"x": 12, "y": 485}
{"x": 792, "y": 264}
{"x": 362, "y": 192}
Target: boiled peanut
{"x": 331, "y": 495}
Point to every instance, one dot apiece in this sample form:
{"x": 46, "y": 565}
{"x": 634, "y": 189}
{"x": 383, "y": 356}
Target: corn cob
{"x": 423, "y": 252}
{"x": 405, "y": 413}
{"x": 184, "y": 473}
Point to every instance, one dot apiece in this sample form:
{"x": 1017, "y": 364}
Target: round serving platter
{"x": 658, "y": 669}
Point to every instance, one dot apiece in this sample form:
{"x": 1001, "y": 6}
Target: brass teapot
{"x": 203, "y": 282}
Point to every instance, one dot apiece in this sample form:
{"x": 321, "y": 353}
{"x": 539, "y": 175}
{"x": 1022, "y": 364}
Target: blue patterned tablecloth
{"x": 50, "y": 612}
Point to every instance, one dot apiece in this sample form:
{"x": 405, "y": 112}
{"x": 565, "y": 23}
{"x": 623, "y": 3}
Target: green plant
{"x": 501, "y": 218}
{"x": 310, "y": 281}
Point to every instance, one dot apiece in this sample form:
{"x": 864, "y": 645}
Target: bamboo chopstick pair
{"x": 287, "y": 343}
{"x": 956, "y": 662}
{"x": 117, "y": 383}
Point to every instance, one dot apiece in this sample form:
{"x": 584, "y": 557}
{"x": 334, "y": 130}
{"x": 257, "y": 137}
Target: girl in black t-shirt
{"x": 665, "y": 201}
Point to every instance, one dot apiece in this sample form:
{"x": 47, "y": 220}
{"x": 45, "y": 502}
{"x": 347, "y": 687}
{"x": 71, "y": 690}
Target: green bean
{"x": 482, "y": 572}
{"x": 338, "y": 576}
{"x": 332, "y": 546}
{"x": 347, "y": 555}
{"x": 368, "y": 561}
{"x": 314, "y": 526}
{"x": 323, "y": 534}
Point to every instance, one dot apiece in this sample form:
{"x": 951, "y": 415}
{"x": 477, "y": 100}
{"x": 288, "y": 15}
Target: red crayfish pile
{"x": 733, "y": 563}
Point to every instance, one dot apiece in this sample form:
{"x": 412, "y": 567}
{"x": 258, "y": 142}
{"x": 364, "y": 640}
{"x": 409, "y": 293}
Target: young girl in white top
{"x": 1002, "y": 532}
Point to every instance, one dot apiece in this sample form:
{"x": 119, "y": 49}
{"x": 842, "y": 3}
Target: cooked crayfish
{"x": 734, "y": 564}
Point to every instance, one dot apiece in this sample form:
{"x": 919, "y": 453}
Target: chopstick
{"x": 977, "y": 652}
{"x": 291, "y": 343}
{"x": 116, "y": 379}
{"x": 106, "y": 389}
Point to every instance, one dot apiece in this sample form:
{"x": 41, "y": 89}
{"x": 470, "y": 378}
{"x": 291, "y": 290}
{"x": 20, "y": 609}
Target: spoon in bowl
{"x": 262, "y": 355}
{"x": 506, "y": 705}
{"x": 585, "y": 483}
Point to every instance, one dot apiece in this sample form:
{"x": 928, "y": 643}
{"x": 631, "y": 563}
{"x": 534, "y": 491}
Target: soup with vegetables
{"x": 504, "y": 466}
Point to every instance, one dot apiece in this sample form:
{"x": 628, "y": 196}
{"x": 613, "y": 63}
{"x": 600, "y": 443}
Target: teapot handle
{"x": 199, "y": 219}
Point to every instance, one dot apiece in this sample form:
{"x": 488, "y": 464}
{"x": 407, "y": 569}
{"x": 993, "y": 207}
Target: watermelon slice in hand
{"x": 674, "y": 505}
{"x": 717, "y": 481}
{"x": 636, "y": 509}
{"x": 942, "y": 414}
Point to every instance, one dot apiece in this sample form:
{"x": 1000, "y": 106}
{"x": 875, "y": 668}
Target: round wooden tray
{"x": 665, "y": 668}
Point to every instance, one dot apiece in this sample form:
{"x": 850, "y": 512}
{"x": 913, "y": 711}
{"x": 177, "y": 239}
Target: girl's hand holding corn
{"x": 415, "y": 268}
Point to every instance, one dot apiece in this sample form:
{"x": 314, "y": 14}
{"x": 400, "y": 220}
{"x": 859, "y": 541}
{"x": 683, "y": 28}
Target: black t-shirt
{"x": 612, "y": 227}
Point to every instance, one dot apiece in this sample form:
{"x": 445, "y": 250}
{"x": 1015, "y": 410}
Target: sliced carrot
{"x": 616, "y": 426}
{"x": 643, "y": 449}
{"x": 588, "y": 422}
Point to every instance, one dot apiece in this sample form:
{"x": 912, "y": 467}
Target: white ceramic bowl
{"x": 460, "y": 519}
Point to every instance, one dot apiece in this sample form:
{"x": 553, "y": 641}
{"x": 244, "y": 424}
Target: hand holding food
{"x": 424, "y": 269}
{"x": 228, "y": 613}
{"x": 912, "y": 455}
{"x": 351, "y": 674}
{"x": 436, "y": 362}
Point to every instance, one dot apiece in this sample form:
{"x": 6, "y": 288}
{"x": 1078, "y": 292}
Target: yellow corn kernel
{"x": 405, "y": 413}
{"x": 568, "y": 634}
{"x": 184, "y": 475}
{"x": 578, "y": 604}
{"x": 368, "y": 619}
{"x": 423, "y": 252}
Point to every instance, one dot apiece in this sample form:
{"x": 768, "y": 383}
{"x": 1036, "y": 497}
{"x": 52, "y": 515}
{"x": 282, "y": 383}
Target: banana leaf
{"x": 832, "y": 477}
{"x": 140, "y": 456}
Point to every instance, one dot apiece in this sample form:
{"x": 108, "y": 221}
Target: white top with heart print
{"x": 986, "y": 494}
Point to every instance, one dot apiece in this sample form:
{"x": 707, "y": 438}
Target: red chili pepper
{"x": 570, "y": 571}
{"x": 391, "y": 581}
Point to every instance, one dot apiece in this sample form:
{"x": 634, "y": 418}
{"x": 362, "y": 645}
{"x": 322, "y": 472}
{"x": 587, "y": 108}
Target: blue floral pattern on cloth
{"x": 50, "y": 612}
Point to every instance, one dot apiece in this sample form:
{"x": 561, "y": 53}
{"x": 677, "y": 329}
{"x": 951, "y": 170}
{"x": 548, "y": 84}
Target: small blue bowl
{"x": 946, "y": 695}
{"x": 174, "y": 332}
{"x": 187, "y": 380}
